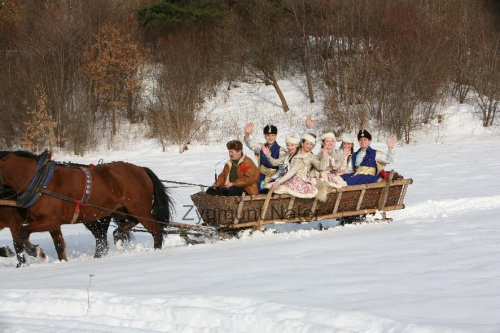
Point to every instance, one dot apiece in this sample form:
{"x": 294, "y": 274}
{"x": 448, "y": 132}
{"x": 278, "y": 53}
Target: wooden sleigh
{"x": 254, "y": 211}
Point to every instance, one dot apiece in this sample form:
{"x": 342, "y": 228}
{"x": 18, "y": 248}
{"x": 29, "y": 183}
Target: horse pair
{"x": 13, "y": 218}
{"x": 127, "y": 192}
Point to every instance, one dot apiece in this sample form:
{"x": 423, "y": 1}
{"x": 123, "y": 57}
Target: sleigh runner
{"x": 256, "y": 210}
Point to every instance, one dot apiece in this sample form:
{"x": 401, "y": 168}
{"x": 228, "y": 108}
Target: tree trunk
{"x": 274, "y": 82}
{"x": 114, "y": 121}
{"x": 307, "y": 65}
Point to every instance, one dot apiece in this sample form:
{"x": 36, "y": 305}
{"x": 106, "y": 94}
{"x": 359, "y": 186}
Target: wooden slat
{"x": 240, "y": 209}
{"x": 385, "y": 192}
{"x": 403, "y": 193}
{"x": 339, "y": 190}
{"x": 361, "y": 197}
{"x": 314, "y": 205}
{"x": 337, "y": 203}
{"x": 289, "y": 210}
{"x": 264, "y": 208}
{"x": 314, "y": 218}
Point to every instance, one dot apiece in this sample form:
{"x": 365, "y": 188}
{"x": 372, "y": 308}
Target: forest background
{"x": 74, "y": 70}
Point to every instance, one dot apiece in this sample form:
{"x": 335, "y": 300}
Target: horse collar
{"x": 40, "y": 180}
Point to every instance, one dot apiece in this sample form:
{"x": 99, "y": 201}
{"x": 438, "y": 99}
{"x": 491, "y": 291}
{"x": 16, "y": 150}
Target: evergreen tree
{"x": 181, "y": 12}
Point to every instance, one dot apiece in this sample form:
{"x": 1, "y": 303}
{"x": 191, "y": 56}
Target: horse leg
{"x": 156, "y": 231}
{"x": 122, "y": 233}
{"x": 59, "y": 244}
{"x": 99, "y": 229}
{"x": 30, "y": 248}
{"x": 19, "y": 244}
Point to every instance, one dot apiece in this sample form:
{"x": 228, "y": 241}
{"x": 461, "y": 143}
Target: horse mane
{"x": 20, "y": 153}
{"x": 72, "y": 165}
{"x": 78, "y": 165}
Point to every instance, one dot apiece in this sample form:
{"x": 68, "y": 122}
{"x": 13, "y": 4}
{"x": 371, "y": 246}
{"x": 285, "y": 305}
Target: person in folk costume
{"x": 343, "y": 160}
{"x": 267, "y": 170}
{"x": 284, "y": 160}
{"x": 330, "y": 176}
{"x": 368, "y": 162}
{"x": 240, "y": 174}
{"x": 297, "y": 181}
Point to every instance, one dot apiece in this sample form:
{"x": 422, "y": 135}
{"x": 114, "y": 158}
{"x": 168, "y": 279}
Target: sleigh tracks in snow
{"x": 225, "y": 217}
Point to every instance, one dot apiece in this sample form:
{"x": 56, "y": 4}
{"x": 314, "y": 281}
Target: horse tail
{"x": 163, "y": 207}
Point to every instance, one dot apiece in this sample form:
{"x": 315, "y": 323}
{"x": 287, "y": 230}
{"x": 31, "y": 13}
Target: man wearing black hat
{"x": 267, "y": 170}
{"x": 368, "y": 162}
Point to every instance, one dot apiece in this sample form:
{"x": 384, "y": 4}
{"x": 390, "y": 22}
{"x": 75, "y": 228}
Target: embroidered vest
{"x": 275, "y": 153}
{"x": 368, "y": 165}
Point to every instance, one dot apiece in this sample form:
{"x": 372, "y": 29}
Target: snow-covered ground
{"x": 435, "y": 268}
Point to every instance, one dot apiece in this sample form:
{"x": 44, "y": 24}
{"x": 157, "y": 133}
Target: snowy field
{"x": 435, "y": 268}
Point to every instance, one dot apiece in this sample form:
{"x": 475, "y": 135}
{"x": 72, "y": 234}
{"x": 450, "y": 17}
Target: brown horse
{"x": 120, "y": 189}
{"x": 10, "y": 217}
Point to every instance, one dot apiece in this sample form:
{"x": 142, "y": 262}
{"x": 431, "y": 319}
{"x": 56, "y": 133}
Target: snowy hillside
{"x": 435, "y": 268}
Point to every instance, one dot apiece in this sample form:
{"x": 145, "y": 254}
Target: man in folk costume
{"x": 267, "y": 170}
{"x": 240, "y": 174}
{"x": 368, "y": 162}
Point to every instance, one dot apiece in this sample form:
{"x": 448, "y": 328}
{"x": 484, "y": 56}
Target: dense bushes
{"x": 389, "y": 62}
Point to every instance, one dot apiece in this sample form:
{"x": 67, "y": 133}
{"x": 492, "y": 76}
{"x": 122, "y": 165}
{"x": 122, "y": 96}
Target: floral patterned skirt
{"x": 297, "y": 187}
{"x": 333, "y": 180}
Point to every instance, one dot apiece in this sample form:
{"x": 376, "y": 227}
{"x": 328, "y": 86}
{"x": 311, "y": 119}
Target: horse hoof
{"x": 6, "y": 252}
{"x": 21, "y": 260}
{"x": 39, "y": 253}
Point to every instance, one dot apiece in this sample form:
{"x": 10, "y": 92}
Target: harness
{"x": 84, "y": 202}
{"x": 43, "y": 174}
{"x": 38, "y": 186}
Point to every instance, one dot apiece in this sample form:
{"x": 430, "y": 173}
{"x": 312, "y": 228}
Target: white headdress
{"x": 309, "y": 137}
{"x": 347, "y": 138}
{"x": 328, "y": 135}
{"x": 292, "y": 139}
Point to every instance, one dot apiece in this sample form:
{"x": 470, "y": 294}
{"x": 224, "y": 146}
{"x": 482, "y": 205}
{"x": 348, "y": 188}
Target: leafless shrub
{"x": 183, "y": 83}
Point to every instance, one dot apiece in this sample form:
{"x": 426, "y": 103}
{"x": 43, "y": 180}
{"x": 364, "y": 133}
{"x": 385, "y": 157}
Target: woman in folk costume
{"x": 330, "y": 175}
{"x": 297, "y": 181}
{"x": 368, "y": 162}
{"x": 343, "y": 160}
{"x": 284, "y": 160}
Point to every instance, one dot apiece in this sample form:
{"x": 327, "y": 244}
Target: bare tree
{"x": 487, "y": 76}
{"x": 262, "y": 31}
{"x": 184, "y": 81}
{"x": 303, "y": 16}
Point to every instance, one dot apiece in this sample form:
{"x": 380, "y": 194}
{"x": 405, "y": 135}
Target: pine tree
{"x": 181, "y": 12}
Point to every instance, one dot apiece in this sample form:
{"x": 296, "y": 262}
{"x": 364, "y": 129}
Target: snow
{"x": 435, "y": 268}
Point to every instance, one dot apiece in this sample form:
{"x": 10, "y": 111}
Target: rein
{"x": 88, "y": 204}
{"x": 183, "y": 183}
